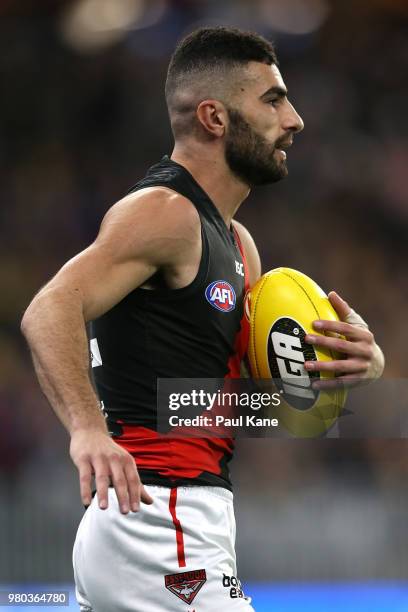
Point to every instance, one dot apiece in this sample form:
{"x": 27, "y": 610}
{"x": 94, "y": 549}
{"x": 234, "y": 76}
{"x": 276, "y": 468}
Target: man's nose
{"x": 292, "y": 120}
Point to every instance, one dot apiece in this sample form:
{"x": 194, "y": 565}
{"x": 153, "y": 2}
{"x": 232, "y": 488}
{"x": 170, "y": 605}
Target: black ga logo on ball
{"x": 287, "y": 353}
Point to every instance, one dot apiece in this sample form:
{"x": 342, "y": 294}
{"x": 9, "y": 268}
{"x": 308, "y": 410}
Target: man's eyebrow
{"x": 281, "y": 92}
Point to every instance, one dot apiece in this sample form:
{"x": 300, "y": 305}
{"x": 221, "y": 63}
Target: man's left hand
{"x": 363, "y": 359}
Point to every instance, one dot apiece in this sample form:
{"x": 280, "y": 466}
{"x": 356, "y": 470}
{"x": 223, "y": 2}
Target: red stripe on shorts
{"x": 179, "y": 531}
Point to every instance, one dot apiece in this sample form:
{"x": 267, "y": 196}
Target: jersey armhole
{"x": 198, "y": 280}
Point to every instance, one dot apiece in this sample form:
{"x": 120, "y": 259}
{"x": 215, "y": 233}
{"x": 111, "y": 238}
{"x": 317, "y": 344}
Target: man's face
{"x": 261, "y": 124}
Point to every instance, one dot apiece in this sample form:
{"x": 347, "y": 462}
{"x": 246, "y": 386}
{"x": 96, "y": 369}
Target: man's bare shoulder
{"x": 154, "y": 208}
{"x": 243, "y": 233}
{"x": 250, "y": 251}
{"x": 154, "y": 220}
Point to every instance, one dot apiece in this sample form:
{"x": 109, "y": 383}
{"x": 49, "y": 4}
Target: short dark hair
{"x": 214, "y": 46}
{"x": 208, "y": 51}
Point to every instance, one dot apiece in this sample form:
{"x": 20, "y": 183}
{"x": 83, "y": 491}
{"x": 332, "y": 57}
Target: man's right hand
{"x": 95, "y": 453}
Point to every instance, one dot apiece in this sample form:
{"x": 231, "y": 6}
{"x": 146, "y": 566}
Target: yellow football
{"x": 281, "y": 308}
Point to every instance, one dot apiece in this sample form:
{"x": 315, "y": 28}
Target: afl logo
{"x": 221, "y": 295}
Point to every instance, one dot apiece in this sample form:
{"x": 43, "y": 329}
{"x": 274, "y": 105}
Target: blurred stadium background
{"x": 321, "y": 523}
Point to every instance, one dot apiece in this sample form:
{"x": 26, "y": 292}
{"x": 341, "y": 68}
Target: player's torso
{"x": 192, "y": 331}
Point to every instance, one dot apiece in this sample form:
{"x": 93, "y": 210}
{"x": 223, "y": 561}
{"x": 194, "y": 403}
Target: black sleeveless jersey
{"x": 192, "y": 332}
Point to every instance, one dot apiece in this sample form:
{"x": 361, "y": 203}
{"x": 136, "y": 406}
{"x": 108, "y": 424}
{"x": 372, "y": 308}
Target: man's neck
{"x": 212, "y": 173}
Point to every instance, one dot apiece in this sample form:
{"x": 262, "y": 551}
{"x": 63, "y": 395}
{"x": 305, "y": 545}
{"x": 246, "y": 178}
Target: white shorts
{"x": 176, "y": 555}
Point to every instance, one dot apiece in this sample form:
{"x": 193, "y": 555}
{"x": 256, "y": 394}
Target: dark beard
{"x": 249, "y": 156}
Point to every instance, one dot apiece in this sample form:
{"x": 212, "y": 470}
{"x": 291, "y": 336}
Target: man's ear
{"x": 213, "y": 117}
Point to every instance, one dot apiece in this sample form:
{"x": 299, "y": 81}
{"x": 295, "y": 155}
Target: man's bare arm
{"x": 250, "y": 252}
{"x": 138, "y": 235}
{"x": 254, "y": 270}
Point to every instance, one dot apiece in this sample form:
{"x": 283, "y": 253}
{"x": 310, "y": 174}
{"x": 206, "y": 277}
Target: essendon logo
{"x": 186, "y": 585}
{"x": 221, "y": 295}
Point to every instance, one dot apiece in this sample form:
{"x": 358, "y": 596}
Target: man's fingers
{"x": 112, "y": 466}
{"x": 341, "y": 365}
{"x": 120, "y": 482}
{"x": 145, "y": 497}
{"x": 137, "y": 492}
{"x": 345, "y": 329}
{"x": 356, "y": 349}
{"x": 129, "y": 489}
{"x": 134, "y": 485}
{"x": 355, "y": 319}
{"x": 339, "y": 305}
{"x": 102, "y": 481}
{"x": 85, "y": 479}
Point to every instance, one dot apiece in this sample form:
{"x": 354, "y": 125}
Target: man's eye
{"x": 273, "y": 102}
